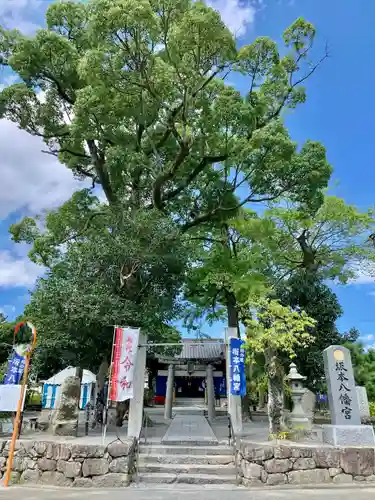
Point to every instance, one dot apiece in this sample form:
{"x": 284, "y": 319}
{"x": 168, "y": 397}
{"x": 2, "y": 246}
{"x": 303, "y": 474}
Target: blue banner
{"x": 16, "y": 367}
{"x": 321, "y": 398}
{"x": 237, "y": 367}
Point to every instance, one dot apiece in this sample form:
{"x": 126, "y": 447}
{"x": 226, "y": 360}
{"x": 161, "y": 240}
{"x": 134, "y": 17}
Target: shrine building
{"x": 183, "y": 378}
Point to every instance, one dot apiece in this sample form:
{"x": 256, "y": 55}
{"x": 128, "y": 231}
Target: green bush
{"x": 33, "y": 398}
{"x": 372, "y": 409}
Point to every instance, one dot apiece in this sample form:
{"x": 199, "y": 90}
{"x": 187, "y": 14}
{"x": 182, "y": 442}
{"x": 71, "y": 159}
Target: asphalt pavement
{"x": 189, "y": 493}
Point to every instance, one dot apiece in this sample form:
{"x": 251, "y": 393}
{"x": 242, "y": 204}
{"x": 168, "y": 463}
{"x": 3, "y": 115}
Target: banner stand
{"x": 21, "y": 399}
{"x": 109, "y": 387}
{"x": 122, "y": 372}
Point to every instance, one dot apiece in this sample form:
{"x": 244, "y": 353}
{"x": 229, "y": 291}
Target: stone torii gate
{"x": 136, "y": 404}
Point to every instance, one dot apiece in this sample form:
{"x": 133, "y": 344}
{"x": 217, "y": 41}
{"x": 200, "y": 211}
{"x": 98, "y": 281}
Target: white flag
{"x": 124, "y": 358}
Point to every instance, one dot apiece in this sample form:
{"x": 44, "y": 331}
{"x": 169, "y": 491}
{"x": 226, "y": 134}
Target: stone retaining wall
{"x": 290, "y": 464}
{"x": 69, "y": 464}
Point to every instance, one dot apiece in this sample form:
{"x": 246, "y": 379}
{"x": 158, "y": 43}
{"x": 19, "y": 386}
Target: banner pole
{"x": 109, "y": 388}
{"x": 20, "y": 404}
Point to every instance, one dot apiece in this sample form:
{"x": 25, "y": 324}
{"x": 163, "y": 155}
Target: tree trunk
{"x": 232, "y": 312}
{"x": 121, "y": 408}
{"x": 99, "y": 393}
{"x": 275, "y": 376}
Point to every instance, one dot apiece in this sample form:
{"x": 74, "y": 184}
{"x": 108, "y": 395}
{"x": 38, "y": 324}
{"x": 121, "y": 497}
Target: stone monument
{"x": 345, "y": 428}
{"x": 66, "y": 418}
{"x": 364, "y": 408}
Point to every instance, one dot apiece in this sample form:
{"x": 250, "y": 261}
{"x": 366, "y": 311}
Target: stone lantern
{"x": 298, "y": 418}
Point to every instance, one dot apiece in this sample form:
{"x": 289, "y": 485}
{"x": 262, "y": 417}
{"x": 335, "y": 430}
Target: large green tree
{"x": 255, "y": 253}
{"x": 364, "y": 366}
{"x": 308, "y": 292}
{"x": 334, "y": 240}
{"x": 6, "y": 342}
{"x": 135, "y": 98}
{"x": 132, "y": 95}
{"x": 128, "y": 275}
{"x": 277, "y": 330}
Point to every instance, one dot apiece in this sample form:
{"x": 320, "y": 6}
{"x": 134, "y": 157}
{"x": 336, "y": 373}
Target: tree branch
{"x": 55, "y": 152}
{"x": 157, "y": 197}
{"x": 102, "y": 174}
{"x": 85, "y": 227}
{"x": 62, "y": 93}
{"x": 208, "y": 160}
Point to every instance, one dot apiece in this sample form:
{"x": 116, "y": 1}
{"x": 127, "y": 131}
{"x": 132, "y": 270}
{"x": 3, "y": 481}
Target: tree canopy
{"x": 364, "y": 367}
{"x": 132, "y": 95}
{"x": 308, "y": 292}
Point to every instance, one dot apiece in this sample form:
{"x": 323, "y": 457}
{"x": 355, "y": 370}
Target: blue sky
{"x": 338, "y": 112}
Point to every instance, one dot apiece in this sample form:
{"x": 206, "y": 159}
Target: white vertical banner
{"x": 124, "y": 356}
{"x": 9, "y": 397}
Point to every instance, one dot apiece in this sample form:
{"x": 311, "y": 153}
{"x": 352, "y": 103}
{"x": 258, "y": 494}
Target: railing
{"x": 232, "y": 441}
{"x": 144, "y": 428}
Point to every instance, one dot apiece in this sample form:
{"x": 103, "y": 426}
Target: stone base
{"x": 299, "y": 423}
{"x": 349, "y": 435}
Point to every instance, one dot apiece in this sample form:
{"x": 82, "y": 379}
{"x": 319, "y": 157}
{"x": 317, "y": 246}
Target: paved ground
{"x": 189, "y": 493}
{"x": 189, "y": 428}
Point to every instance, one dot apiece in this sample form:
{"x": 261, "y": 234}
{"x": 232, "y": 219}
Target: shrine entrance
{"x": 190, "y": 387}
{"x": 195, "y": 372}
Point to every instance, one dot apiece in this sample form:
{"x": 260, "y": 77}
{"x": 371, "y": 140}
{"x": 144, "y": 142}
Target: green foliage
{"x": 6, "y": 342}
{"x": 128, "y": 276}
{"x": 135, "y": 99}
{"x": 364, "y": 367}
{"x": 333, "y": 240}
{"x": 227, "y": 267}
{"x": 307, "y": 292}
{"x": 278, "y": 328}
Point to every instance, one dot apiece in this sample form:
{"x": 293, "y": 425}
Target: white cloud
{"x": 364, "y": 274}
{"x": 30, "y": 180}
{"x": 7, "y": 310}
{"x": 9, "y": 80}
{"x": 363, "y": 279}
{"x": 17, "y": 14}
{"x": 17, "y": 271}
{"x": 237, "y": 15}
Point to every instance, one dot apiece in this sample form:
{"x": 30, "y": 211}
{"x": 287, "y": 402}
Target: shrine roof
{"x": 210, "y": 349}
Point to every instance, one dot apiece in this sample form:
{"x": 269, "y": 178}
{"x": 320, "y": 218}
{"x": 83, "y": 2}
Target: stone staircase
{"x": 168, "y": 464}
{"x": 189, "y": 402}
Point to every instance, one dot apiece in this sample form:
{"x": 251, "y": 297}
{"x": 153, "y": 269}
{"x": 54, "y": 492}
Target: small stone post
{"x": 169, "y": 393}
{"x": 136, "y": 403}
{"x": 298, "y": 418}
{"x": 210, "y": 392}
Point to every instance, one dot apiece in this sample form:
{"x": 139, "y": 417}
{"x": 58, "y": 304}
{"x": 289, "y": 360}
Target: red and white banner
{"x": 124, "y": 357}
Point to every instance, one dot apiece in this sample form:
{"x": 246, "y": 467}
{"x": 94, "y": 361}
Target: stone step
{"x": 167, "y": 478}
{"x": 188, "y": 411}
{"x": 154, "y": 458}
{"x": 190, "y": 442}
{"x": 188, "y": 468}
{"x": 189, "y": 402}
{"x": 185, "y": 450}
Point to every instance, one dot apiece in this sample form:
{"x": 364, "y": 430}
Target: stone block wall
{"x": 301, "y": 465}
{"x": 69, "y": 464}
